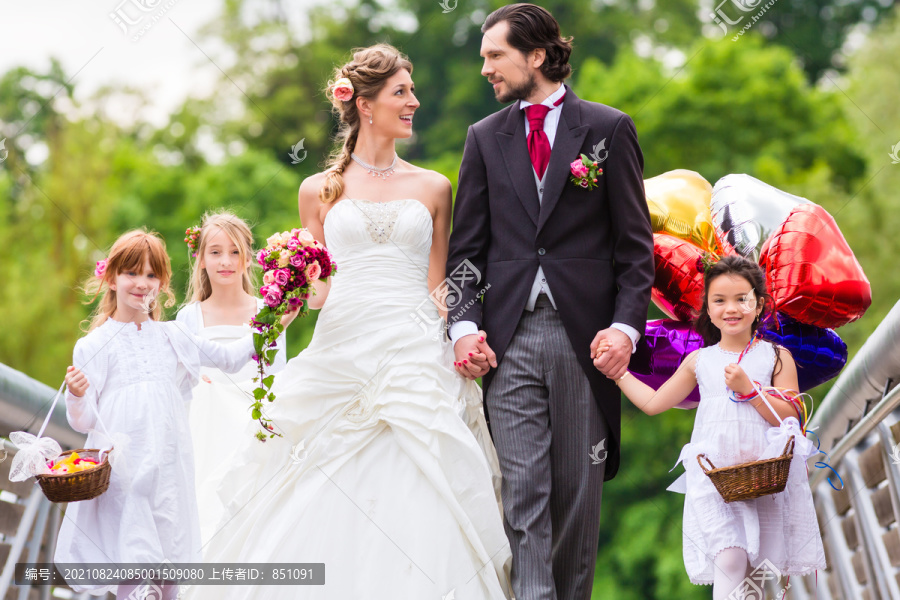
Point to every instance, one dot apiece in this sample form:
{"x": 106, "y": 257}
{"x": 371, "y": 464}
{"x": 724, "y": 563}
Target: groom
{"x": 564, "y": 267}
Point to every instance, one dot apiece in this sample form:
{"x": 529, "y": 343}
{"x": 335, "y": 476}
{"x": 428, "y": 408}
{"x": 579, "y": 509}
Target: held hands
{"x": 737, "y": 380}
{"x": 611, "y": 351}
{"x": 76, "y": 382}
{"x": 474, "y": 357}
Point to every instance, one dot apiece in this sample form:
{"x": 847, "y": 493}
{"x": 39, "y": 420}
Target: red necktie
{"x": 538, "y": 143}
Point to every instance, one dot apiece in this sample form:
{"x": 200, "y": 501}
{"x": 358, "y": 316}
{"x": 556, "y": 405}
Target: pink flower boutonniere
{"x": 585, "y": 172}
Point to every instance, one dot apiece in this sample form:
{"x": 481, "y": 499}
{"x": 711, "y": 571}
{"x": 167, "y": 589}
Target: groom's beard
{"x": 518, "y": 92}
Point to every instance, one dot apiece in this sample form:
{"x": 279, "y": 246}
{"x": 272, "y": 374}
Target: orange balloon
{"x": 679, "y": 203}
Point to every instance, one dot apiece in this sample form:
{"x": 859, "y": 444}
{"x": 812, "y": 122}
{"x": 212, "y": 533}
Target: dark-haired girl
{"x": 723, "y": 542}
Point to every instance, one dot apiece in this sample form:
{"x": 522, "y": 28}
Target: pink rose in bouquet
{"x": 313, "y": 271}
{"x": 291, "y": 261}
{"x": 271, "y": 295}
{"x": 282, "y": 276}
{"x": 297, "y": 261}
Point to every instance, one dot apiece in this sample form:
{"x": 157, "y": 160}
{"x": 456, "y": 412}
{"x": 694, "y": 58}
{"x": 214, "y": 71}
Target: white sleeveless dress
{"x": 219, "y": 415}
{"x": 386, "y": 472}
{"x": 780, "y": 528}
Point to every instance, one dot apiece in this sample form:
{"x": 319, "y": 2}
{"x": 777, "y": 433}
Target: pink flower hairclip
{"x": 192, "y": 239}
{"x": 342, "y": 89}
{"x": 100, "y": 269}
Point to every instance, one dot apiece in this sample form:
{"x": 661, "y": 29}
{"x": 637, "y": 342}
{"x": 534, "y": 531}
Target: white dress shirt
{"x": 551, "y": 123}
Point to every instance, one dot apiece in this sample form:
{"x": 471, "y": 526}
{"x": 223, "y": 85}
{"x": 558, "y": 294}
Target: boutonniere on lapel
{"x": 585, "y": 172}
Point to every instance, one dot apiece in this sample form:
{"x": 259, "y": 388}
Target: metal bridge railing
{"x": 29, "y": 523}
{"x": 859, "y": 428}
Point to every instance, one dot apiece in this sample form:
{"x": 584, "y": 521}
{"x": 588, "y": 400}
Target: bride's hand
{"x": 289, "y": 317}
{"x": 474, "y": 357}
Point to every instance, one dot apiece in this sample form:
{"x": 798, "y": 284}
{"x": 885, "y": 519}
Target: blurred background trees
{"x": 802, "y": 101}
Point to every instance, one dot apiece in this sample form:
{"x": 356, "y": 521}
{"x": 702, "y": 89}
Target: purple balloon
{"x": 820, "y": 353}
{"x": 666, "y": 342}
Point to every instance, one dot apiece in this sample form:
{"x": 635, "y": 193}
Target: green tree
{"x": 733, "y": 108}
{"x": 816, "y": 30}
{"x": 869, "y": 212}
{"x": 56, "y": 210}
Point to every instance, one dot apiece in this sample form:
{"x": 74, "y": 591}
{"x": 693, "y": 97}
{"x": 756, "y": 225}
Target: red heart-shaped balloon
{"x": 678, "y": 285}
{"x": 811, "y": 272}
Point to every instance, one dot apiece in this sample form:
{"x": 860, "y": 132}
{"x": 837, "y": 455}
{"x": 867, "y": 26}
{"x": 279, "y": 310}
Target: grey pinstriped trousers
{"x": 545, "y": 421}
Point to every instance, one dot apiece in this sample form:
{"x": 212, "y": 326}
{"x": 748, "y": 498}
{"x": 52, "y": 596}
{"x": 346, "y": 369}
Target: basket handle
{"x": 52, "y": 408}
{"x": 104, "y": 451}
{"x": 702, "y": 466}
{"x": 789, "y": 443}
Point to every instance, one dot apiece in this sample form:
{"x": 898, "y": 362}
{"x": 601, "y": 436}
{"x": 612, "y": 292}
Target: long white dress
{"x": 386, "y": 472}
{"x": 220, "y": 414}
{"x": 780, "y": 528}
{"x": 141, "y": 381}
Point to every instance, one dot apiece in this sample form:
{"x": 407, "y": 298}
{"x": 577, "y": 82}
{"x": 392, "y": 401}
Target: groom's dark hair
{"x": 532, "y": 27}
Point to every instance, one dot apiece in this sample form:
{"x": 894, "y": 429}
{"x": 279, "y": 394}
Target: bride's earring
{"x": 370, "y": 119}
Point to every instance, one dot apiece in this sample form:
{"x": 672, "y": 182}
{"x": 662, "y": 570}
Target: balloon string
{"x": 748, "y": 346}
{"x": 825, "y": 465}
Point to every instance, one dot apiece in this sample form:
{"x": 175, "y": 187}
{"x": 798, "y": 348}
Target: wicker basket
{"x": 73, "y": 487}
{"x": 747, "y": 481}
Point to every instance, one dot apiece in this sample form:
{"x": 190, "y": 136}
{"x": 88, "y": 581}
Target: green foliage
{"x": 817, "y": 29}
{"x": 723, "y": 113}
{"x": 745, "y": 106}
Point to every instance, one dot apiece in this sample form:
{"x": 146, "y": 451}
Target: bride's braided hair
{"x": 368, "y": 71}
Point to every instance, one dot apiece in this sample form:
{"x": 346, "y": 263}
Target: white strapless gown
{"x": 386, "y": 472}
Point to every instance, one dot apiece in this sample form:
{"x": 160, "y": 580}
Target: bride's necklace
{"x": 375, "y": 171}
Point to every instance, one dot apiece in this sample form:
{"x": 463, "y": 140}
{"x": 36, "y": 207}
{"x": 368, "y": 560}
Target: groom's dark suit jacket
{"x": 595, "y": 247}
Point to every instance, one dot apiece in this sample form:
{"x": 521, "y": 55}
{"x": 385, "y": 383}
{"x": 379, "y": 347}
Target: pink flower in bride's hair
{"x": 100, "y": 269}
{"x": 282, "y": 276}
{"x": 271, "y": 295}
{"x": 305, "y": 238}
{"x": 268, "y": 277}
{"x": 578, "y": 169}
{"x": 343, "y": 89}
{"x": 297, "y": 261}
{"x": 313, "y": 271}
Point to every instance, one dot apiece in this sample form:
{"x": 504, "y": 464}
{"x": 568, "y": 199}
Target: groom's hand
{"x": 474, "y": 357}
{"x": 613, "y": 362}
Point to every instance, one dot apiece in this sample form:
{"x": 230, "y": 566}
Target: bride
{"x": 385, "y": 472}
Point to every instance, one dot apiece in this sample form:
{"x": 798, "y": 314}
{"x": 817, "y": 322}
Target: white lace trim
{"x": 380, "y": 217}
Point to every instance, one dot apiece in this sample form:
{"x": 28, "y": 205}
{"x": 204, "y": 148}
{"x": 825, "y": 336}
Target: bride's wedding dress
{"x": 386, "y": 472}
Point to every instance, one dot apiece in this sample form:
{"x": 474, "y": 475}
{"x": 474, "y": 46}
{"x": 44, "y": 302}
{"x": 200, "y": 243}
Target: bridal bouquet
{"x": 291, "y": 262}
